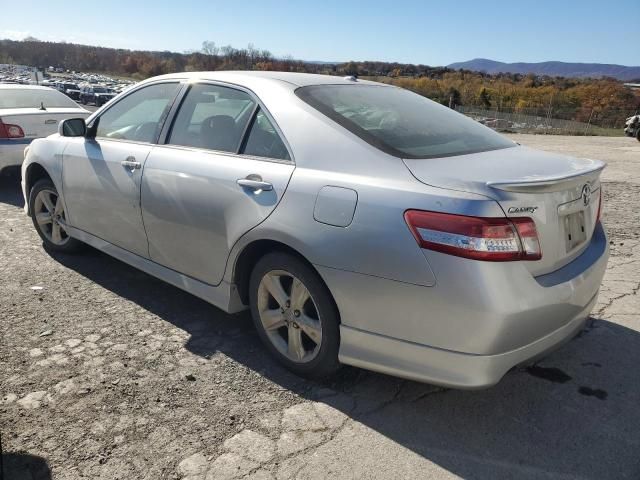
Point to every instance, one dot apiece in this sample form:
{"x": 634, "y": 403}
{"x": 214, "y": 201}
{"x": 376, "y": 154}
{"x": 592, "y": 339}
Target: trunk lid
{"x": 38, "y": 123}
{"x": 560, "y": 193}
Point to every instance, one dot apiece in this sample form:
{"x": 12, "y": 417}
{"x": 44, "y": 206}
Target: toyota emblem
{"x": 586, "y": 194}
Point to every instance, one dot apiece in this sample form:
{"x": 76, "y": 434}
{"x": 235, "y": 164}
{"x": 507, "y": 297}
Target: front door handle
{"x": 254, "y": 182}
{"x": 131, "y": 163}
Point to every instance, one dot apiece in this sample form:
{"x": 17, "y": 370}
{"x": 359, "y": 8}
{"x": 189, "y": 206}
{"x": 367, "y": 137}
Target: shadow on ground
{"x": 10, "y": 192}
{"x": 22, "y": 466}
{"x": 576, "y": 414}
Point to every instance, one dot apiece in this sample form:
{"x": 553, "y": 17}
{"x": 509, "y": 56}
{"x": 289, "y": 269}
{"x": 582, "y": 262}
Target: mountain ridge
{"x": 551, "y": 68}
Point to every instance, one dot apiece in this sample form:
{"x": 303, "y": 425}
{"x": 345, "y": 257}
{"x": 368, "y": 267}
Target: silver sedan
{"x": 361, "y": 223}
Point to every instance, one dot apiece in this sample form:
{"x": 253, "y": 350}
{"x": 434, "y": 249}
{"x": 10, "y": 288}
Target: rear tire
{"x": 48, "y": 216}
{"x": 295, "y": 315}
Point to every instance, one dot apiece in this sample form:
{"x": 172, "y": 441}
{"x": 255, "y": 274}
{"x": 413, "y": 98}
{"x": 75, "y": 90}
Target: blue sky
{"x": 411, "y": 31}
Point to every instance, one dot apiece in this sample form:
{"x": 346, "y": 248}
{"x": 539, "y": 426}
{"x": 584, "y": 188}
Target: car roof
{"x": 292, "y": 78}
{"x": 14, "y": 86}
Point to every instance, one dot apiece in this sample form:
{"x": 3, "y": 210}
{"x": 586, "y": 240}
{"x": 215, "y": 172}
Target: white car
{"x": 28, "y": 112}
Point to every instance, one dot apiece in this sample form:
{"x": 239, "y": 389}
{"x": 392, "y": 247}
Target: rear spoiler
{"x": 550, "y": 183}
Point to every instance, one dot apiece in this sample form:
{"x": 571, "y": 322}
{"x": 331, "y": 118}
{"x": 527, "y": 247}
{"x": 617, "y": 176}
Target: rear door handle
{"x": 254, "y": 182}
{"x": 131, "y": 163}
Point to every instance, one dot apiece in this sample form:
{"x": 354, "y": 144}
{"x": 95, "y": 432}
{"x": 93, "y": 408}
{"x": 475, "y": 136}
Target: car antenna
{"x": 42, "y": 106}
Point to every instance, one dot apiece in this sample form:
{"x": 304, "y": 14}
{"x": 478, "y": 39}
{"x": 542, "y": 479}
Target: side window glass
{"x": 212, "y": 117}
{"x": 264, "y": 141}
{"x": 139, "y": 116}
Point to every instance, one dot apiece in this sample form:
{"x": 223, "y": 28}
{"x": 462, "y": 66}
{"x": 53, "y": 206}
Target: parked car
{"x": 71, "y": 90}
{"x": 96, "y": 95}
{"x": 28, "y": 112}
{"x": 361, "y": 223}
{"x": 632, "y": 127}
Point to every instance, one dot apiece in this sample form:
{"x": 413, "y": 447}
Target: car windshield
{"x": 34, "y": 98}
{"x": 400, "y": 122}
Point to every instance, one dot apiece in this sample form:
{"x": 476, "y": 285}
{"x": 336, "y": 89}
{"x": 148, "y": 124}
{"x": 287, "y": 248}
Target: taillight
{"x": 489, "y": 239}
{"x": 8, "y": 130}
{"x": 599, "y": 205}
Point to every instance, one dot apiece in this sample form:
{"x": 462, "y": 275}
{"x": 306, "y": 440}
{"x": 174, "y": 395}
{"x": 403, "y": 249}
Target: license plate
{"x": 575, "y": 230}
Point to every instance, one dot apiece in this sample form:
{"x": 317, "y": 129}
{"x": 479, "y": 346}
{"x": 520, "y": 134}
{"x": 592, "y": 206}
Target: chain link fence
{"x": 547, "y": 121}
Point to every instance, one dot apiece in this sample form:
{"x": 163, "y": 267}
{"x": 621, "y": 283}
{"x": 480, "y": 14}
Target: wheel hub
{"x": 289, "y": 316}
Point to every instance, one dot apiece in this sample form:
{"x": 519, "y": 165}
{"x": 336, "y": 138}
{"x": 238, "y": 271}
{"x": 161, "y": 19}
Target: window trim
{"x": 259, "y": 105}
{"x": 249, "y": 129}
{"x": 161, "y": 121}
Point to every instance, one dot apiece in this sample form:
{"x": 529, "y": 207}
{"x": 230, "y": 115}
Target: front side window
{"x": 212, "y": 117}
{"x": 263, "y": 140}
{"x": 400, "y": 122}
{"x": 138, "y": 116}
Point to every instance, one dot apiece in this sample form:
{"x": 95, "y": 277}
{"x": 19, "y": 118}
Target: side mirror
{"x": 72, "y": 127}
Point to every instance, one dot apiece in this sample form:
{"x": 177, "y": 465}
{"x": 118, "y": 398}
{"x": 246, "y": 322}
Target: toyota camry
{"x": 361, "y": 223}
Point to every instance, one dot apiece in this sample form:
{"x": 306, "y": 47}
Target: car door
{"x": 223, "y": 169}
{"x": 102, "y": 175}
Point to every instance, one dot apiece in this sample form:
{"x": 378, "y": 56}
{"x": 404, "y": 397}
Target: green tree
{"x": 455, "y": 98}
{"x": 484, "y": 98}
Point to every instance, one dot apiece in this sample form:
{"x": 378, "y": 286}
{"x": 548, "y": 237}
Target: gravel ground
{"x": 107, "y": 373}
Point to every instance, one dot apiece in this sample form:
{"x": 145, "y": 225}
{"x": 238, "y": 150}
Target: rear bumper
{"x": 12, "y": 151}
{"x": 444, "y": 367}
{"x": 477, "y": 322}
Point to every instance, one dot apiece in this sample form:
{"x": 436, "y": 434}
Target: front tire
{"x": 49, "y": 218}
{"x": 295, "y": 315}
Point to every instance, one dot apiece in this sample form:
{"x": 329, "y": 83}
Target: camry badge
{"x": 586, "y": 194}
{"x": 522, "y": 209}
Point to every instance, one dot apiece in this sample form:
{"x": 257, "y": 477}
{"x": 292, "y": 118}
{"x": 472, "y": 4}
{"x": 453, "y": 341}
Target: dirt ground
{"x": 107, "y": 373}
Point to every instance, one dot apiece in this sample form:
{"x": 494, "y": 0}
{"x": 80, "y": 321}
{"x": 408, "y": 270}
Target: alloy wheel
{"x": 50, "y": 217}
{"x": 289, "y": 316}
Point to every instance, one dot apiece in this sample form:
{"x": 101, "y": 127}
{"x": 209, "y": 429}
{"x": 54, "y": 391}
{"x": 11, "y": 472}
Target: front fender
{"x": 45, "y": 153}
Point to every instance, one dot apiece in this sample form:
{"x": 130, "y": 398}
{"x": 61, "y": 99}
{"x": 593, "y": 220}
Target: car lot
{"x": 108, "y": 373}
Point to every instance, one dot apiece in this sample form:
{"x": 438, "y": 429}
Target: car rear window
{"x": 400, "y": 122}
{"x": 34, "y": 98}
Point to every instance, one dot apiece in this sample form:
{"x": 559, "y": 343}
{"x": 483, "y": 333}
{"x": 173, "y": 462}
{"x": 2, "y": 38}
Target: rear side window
{"x": 212, "y": 117}
{"x": 400, "y": 122}
{"x": 263, "y": 140}
{"x": 34, "y": 98}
